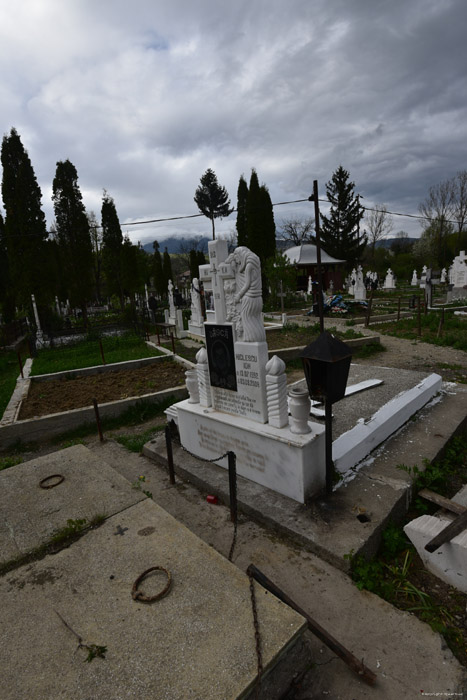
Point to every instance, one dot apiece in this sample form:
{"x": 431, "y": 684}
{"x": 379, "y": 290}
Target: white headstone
{"x": 414, "y": 282}
{"x": 459, "y": 270}
{"x": 389, "y": 282}
{"x": 359, "y": 289}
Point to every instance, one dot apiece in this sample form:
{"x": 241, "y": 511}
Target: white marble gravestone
{"x": 359, "y": 289}
{"x": 414, "y": 281}
{"x": 242, "y": 396}
{"x": 423, "y": 277}
{"x": 389, "y": 282}
{"x": 459, "y": 270}
{"x": 196, "y": 322}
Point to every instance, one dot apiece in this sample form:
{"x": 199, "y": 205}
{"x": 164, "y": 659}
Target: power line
{"x": 275, "y": 204}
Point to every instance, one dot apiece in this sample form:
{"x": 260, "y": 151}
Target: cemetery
{"x": 315, "y": 461}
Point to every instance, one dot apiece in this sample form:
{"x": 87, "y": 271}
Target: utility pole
{"x": 314, "y": 198}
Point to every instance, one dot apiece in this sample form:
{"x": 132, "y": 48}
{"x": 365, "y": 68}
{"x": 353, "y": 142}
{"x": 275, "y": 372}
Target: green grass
{"x": 87, "y": 354}
{"x": 395, "y": 574}
{"x": 135, "y": 443}
{"x": 10, "y": 461}
{"x": 9, "y": 371}
{"x": 453, "y": 334}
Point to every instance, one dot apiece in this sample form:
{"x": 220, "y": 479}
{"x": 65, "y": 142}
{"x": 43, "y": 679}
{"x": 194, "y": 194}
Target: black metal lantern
{"x": 326, "y": 363}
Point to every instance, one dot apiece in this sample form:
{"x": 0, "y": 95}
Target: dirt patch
{"x": 45, "y": 398}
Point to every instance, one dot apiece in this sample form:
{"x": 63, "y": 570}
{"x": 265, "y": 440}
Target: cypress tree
{"x": 25, "y": 231}
{"x": 253, "y": 215}
{"x": 112, "y": 248}
{"x": 73, "y": 235}
{"x": 339, "y": 230}
{"x": 241, "y": 223}
{"x": 261, "y": 229}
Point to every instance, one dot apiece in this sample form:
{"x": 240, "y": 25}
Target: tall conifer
{"x": 241, "y": 223}
{"x": 73, "y": 234}
{"x": 339, "y": 231}
{"x": 112, "y": 248}
{"x": 25, "y": 231}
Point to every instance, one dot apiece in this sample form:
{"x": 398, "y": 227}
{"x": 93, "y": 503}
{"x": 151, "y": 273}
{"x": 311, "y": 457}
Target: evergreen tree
{"x": 6, "y": 301}
{"x": 112, "y": 248}
{"x": 241, "y": 224}
{"x": 339, "y": 231}
{"x": 268, "y": 226}
{"x": 212, "y": 199}
{"x": 167, "y": 269}
{"x": 25, "y": 232}
{"x": 158, "y": 272}
{"x": 96, "y": 241}
{"x": 261, "y": 229}
{"x": 253, "y": 215}
{"x": 73, "y": 235}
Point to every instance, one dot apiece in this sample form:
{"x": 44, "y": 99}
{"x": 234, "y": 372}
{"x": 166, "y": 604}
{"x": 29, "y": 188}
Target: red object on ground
{"x": 212, "y": 499}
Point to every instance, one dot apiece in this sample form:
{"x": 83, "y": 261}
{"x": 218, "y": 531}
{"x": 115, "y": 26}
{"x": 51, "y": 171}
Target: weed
{"x": 135, "y": 443}
{"x": 6, "y": 462}
{"x": 137, "y": 485}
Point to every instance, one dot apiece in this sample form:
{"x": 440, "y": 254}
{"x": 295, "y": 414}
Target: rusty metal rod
{"x": 170, "y": 457}
{"x": 98, "y": 420}
{"x": 355, "y": 664}
{"x": 173, "y": 342}
{"x": 102, "y": 351}
{"x": 399, "y": 309}
{"x": 233, "y": 485}
{"x": 419, "y": 318}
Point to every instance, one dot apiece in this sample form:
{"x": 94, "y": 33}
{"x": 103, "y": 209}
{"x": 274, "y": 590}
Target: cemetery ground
{"x": 396, "y": 575}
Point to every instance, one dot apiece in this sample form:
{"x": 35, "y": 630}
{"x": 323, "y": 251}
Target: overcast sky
{"x": 144, "y": 96}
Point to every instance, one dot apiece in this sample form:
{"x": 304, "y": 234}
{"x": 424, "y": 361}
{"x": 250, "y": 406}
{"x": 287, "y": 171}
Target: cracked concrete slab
{"x": 196, "y": 642}
{"x": 30, "y": 514}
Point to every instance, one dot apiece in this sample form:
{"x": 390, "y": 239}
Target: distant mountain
{"x": 174, "y": 243}
{"x": 387, "y": 242}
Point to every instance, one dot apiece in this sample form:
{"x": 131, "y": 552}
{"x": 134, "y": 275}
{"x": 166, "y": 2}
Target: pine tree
{"x": 241, "y": 224}
{"x": 112, "y": 248}
{"x": 339, "y": 231}
{"x": 73, "y": 235}
{"x": 25, "y": 231}
{"x": 212, "y": 199}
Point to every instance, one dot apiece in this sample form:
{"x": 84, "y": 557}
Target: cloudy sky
{"x": 144, "y": 96}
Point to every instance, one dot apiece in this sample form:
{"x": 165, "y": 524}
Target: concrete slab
{"x": 30, "y": 514}
{"x": 376, "y": 491}
{"x": 197, "y": 642}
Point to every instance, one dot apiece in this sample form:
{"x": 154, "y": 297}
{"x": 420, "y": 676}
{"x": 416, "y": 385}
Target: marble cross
{"x": 214, "y": 274}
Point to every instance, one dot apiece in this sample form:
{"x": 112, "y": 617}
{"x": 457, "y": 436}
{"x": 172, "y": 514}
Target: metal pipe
{"x": 233, "y": 485}
{"x": 98, "y": 420}
{"x": 170, "y": 458}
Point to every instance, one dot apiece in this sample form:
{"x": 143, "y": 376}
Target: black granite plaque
{"x": 221, "y": 356}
